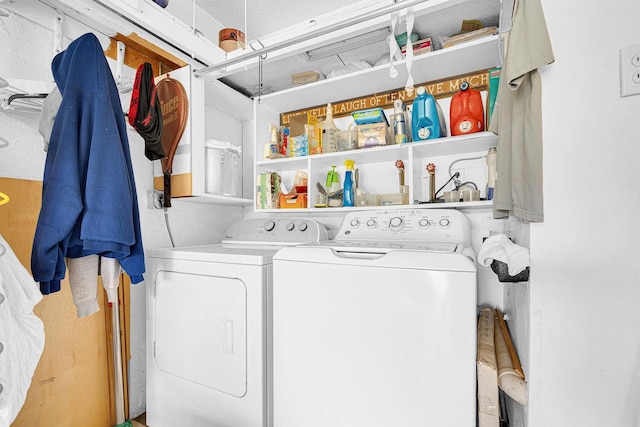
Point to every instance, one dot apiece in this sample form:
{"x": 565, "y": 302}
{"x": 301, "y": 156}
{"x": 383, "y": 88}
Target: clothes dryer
{"x": 377, "y": 327}
{"x": 208, "y": 328}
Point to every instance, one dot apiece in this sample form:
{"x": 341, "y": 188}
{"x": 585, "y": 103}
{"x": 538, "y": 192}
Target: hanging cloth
{"x": 145, "y": 114}
{"x": 517, "y": 116}
{"x": 89, "y": 199}
{"x": 21, "y": 333}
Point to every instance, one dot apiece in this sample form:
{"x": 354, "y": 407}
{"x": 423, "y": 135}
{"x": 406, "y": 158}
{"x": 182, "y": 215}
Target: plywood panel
{"x": 71, "y": 384}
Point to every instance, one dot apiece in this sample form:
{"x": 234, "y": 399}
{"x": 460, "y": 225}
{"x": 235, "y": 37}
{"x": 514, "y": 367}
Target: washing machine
{"x": 377, "y": 327}
{"x": 208, "y": 325}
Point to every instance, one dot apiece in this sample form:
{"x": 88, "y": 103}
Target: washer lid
{"x": 385, "y": 246}
{"x": 449, "y": 256}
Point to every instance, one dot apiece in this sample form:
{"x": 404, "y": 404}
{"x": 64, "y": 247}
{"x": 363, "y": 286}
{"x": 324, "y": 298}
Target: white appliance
{"x": 207, "y": 331}
{"x": 377, "y": 328}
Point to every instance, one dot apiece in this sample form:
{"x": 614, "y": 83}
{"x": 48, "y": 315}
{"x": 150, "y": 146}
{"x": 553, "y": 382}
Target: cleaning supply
{"x": 425, "y": 118}
{"x": 466, "y": 113}
{"x": 333, "y": 180}
{"x": 492, "y": 157}
{"x": 348, "y": 194}
{"x": 312, "y": 130}
{"x": 272, "y": 148}
{"x": 284, "y": 141}
{"x": 329, "y": 132}
{"x": 399, "y": 122}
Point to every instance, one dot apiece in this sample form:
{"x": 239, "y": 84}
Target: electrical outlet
{"x": 155, "y": 199}
{"x": 630, "y": 71}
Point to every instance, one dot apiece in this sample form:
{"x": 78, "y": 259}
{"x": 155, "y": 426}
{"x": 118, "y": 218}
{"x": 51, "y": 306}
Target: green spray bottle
{"x": 333, "y": 180}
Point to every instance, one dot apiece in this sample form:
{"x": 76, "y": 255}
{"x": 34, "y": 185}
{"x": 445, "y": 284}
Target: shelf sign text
{"x": 439, "y": 89}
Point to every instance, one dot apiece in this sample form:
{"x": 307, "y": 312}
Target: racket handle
{"x": 167, "y": 190}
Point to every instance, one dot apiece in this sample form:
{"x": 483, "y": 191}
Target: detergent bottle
{"x": 466, "y": 113}
{"x": 425, "y": 121}
{"x": 348, "y": 194}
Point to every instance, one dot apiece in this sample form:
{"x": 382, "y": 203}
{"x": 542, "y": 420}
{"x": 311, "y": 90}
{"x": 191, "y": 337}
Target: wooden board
{"x": 71, "y": 384}
{"x": 180, "y": 184}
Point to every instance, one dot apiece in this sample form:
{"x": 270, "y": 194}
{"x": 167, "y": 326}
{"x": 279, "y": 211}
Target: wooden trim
{"x": 180, "y": 184}
{"x": 140, "y": 51}
{"x": 517, "y": 367}
{"x": 439, "y": 89}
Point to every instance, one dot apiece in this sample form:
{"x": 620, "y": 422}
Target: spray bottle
{"x": 333, "y": 180}
{"x": 348, "y": 194}
{"x": 329, "y": 133}
{"x": 272, "y": 148}
{"x": 492, "y": 157}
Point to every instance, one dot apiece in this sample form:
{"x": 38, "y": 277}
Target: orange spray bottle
{"x": 466, "y": 113}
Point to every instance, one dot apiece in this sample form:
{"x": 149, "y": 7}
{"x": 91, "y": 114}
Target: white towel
{"x": 500, "y": 248}
{"x": 21, "y": 334}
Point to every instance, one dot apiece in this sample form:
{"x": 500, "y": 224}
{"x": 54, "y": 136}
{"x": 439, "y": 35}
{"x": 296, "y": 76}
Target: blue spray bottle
{"x": 348, "y": 193}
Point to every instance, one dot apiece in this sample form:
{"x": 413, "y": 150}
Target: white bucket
{"x": 223, "y": 168}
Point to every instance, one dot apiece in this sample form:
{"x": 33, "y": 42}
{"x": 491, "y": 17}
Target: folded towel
{"x": 500, "y": 248}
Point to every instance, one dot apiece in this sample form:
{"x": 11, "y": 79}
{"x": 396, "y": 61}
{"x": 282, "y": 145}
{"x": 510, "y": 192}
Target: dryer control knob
{"x": 444, "y": 222}
{"x": 423, "y": 223}
{"x": 354, "y": 223}
{"x": 396, "y": 223}
{"x": 269, "y": 225}
{"x": 291, "y": 226}
{"x": 303, "y": 226}
{"x": 371, "y": 223}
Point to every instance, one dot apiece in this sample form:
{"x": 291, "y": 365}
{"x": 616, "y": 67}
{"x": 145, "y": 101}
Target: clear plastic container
{"x": 223, "y": 168}
{"x": 347, "y": 140}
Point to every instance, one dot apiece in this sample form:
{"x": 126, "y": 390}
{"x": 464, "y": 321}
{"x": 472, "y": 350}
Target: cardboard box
{"x": 373, "y": 135}
{"x": 267, "y": 190}
{"x": 419, "y": 46}
{"x": 294, "y": 200}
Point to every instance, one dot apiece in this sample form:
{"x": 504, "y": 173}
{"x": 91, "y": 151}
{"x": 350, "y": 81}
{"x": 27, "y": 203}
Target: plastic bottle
{"x": 333, "y": 180}
{"x": 425, "y": 120}
{"x": 272, "y": 147}
{"x": 492, "y": 157}
{"x": 348, "y": 195}
{"x": 313, "y": 138}
{"x": 466, "y": 113}
{"x": 329, "y": 133}
{"x": 399, "y": 122}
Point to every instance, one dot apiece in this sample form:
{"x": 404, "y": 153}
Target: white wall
{"x": 27, "y": 53}
{"x": 585, "y": 280}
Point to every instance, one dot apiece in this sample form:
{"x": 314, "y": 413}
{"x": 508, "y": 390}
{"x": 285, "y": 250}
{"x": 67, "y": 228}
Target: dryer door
{"x": 200, "y": 330}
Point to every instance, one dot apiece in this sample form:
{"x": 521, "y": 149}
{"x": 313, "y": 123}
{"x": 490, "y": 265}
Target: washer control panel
{"x": 426, "y": 225}
{"x": 280, "y": 231}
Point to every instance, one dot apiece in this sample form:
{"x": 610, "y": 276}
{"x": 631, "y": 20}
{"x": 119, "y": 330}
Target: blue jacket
{"x": 89, "y": 201}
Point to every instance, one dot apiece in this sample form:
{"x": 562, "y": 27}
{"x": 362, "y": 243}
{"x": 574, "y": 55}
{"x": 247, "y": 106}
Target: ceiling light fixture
{"x": 342, "y": 46}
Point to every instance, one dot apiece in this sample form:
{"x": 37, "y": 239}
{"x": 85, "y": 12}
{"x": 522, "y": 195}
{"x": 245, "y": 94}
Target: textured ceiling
{"x": 265, "y": 16}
